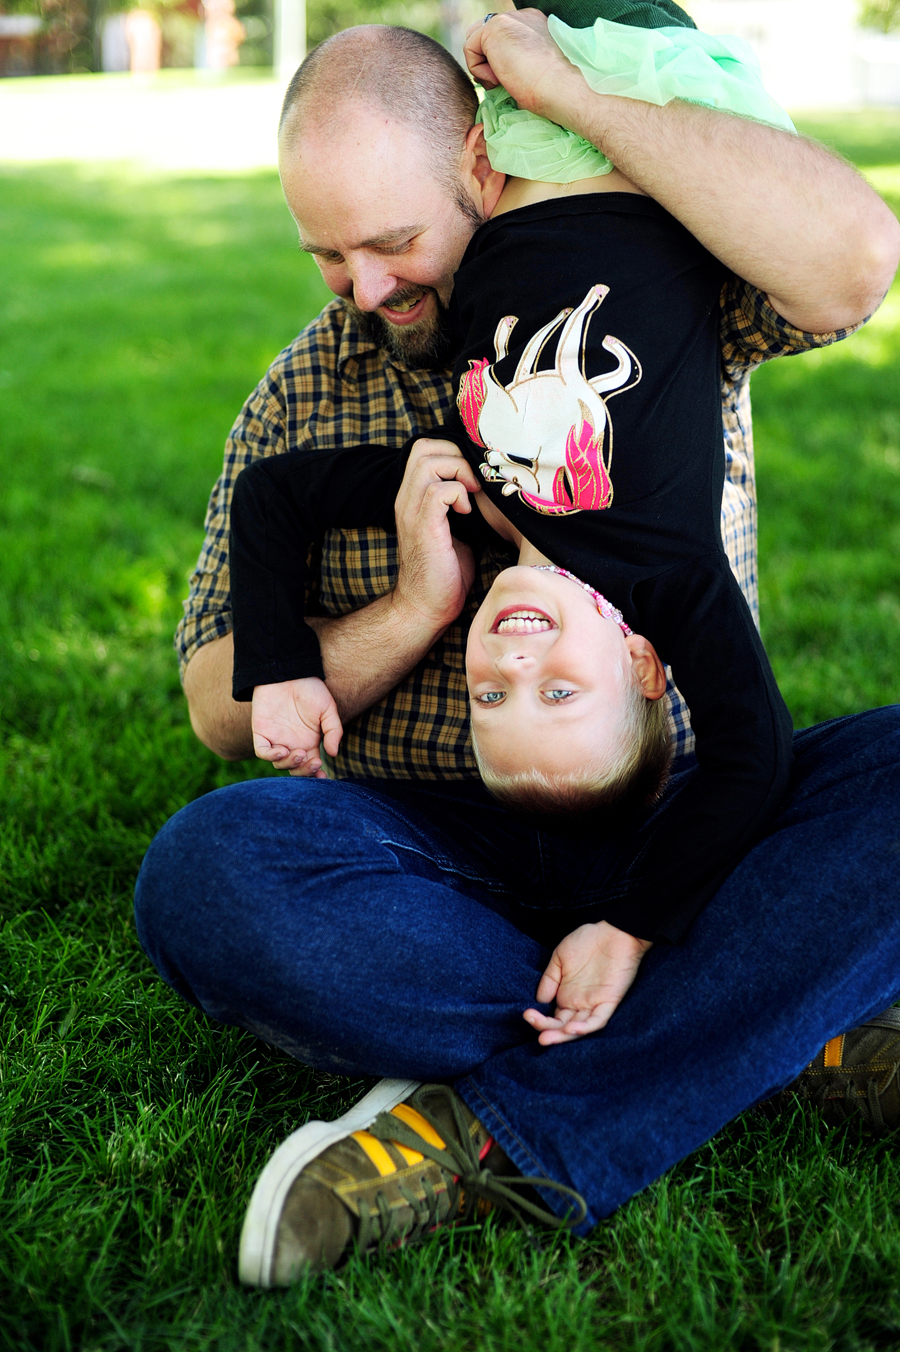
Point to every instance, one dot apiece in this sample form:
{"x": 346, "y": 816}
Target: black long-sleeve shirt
{"x": 575, "y": 317}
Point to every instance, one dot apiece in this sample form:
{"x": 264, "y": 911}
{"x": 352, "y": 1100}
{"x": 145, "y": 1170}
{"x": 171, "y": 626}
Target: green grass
{"x": 828, "y": 449}
{"x": 136, "y": 314}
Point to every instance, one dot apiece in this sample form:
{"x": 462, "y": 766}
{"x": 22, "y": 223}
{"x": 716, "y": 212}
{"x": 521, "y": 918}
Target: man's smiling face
{"x": 387, "y": 233}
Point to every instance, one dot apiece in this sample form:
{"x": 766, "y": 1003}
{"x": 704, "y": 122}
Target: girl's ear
{"x": 649, "y": 670}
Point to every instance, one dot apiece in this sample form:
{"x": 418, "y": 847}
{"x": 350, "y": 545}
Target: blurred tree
{"x": 70, "y": 41}
{"x": 256, "y": 16}
{"x": 883, "y": 15}
{"x": 325, "y": 17}
{"x": 445, "y": 20}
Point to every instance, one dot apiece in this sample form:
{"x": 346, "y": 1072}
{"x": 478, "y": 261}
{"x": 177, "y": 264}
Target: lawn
{"x": 138, "y": 312}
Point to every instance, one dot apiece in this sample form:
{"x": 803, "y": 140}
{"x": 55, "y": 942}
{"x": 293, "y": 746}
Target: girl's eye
{"x": 557, "y": 695}
{"x": 490, "y": 697}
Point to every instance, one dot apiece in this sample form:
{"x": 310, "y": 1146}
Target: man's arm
{"x": 366, "y": 653}
{"x": 219, "y": 722}
{"x": 780, "y": 211}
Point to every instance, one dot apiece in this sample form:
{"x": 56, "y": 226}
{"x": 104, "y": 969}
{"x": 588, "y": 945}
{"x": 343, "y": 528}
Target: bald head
{"x": 393, "y": 71}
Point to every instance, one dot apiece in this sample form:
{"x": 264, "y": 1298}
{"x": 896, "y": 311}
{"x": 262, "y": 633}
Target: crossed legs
{"x": 377, "y": 932}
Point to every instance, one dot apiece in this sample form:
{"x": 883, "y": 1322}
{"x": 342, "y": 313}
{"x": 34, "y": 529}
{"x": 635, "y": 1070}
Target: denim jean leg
{"x": 321, "y": 917}
{"x": 801, "y": 943}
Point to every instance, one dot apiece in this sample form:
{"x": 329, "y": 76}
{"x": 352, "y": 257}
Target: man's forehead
{"x": 362, "y": 130}
{"x": 365, "y": 195}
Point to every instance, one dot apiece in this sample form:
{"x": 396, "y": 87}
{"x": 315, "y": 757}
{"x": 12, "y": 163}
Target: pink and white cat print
{"x": 548, "y": 433}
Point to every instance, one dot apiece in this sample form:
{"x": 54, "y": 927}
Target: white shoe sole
{"x": 274, "y": 1183}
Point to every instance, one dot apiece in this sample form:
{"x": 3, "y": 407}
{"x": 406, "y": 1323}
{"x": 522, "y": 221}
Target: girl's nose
{"x": 515, "y": 660}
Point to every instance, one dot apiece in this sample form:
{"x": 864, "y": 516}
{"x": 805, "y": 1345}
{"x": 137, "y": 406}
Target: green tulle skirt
{"x": 654, "y": 65}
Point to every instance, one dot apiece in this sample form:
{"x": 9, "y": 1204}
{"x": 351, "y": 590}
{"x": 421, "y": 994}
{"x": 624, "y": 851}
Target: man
{"x": 397, "y": 925}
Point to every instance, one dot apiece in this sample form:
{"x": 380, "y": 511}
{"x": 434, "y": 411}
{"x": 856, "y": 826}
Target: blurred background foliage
{"x": 882, "y": 15}
{"x": 69, "y": 41}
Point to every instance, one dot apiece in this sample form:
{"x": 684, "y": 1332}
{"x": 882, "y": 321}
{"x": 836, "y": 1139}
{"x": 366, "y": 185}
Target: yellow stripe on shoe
{"x": 419, "y": 1124}
{"x": 376, "y": 1152}
{"x": 380, "y": 1157}
{"x": 834, "y": 1052}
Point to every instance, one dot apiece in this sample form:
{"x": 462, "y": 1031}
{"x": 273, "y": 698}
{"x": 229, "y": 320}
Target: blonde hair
{"x": 635, "y": 778}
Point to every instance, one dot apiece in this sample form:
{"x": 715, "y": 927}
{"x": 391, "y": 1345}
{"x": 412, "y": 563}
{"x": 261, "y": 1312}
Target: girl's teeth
{"x": 523, "y": 623}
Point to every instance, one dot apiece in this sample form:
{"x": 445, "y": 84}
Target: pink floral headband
{"x": 606, "y": 608}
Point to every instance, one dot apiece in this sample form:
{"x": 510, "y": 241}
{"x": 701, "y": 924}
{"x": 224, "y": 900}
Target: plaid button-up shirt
{"x": 333, "y": 387}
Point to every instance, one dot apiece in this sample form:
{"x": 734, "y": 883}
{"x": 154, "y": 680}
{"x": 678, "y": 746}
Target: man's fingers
{"x": 432, "y": 459}
{"x": 516, "y": 50}
{"x": 440, "y": 469}
{"x": 439, "y": 497}
{"x": 466, "y": 560}
{"x": 479, "y": 66}
{"x": 547, "y": 989}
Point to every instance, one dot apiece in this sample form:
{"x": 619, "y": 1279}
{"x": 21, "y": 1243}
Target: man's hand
{"x": 517, "y": 51}
{"x": 436, "y": 571}
{"x": 587, "y": 976}
{"x": 290, "y": 719}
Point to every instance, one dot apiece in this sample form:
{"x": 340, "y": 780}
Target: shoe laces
{"x": 467, "y": 1181}
{"x": 866, "y": 1101}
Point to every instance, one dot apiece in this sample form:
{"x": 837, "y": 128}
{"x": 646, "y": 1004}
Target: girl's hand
{"x": 289, "y": 720}
{"x": 587, "y": 976}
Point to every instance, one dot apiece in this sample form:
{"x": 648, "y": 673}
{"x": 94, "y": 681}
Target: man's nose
{"x": 372, "y": 281}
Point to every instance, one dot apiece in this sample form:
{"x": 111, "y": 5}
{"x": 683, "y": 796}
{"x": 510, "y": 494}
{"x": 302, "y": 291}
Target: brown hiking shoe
{"x": 855, "y": 1074}
{"x": 403, "y": 1162}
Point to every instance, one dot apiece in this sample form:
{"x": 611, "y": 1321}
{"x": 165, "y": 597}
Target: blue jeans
{"x": 400, "y": 929}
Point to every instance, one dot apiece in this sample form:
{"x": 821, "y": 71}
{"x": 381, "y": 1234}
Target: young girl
{"x": 574, "y": 312}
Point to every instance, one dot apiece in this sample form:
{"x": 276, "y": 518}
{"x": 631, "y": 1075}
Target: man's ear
{"x": 649, "y": 670}
{"x": 484, "y": 183}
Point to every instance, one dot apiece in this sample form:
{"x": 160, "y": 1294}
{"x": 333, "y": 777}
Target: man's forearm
{"x": 221, "y": 723}
{"x": 364, "y": 655}
{"x": 780, "y": 211}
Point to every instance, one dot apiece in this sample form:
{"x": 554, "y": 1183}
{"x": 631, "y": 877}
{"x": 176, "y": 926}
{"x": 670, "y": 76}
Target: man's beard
{"x": 425, "y": 344}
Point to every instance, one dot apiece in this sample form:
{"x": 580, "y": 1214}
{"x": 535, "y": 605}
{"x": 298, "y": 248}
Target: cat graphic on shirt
{"x": 548, "y": 433}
